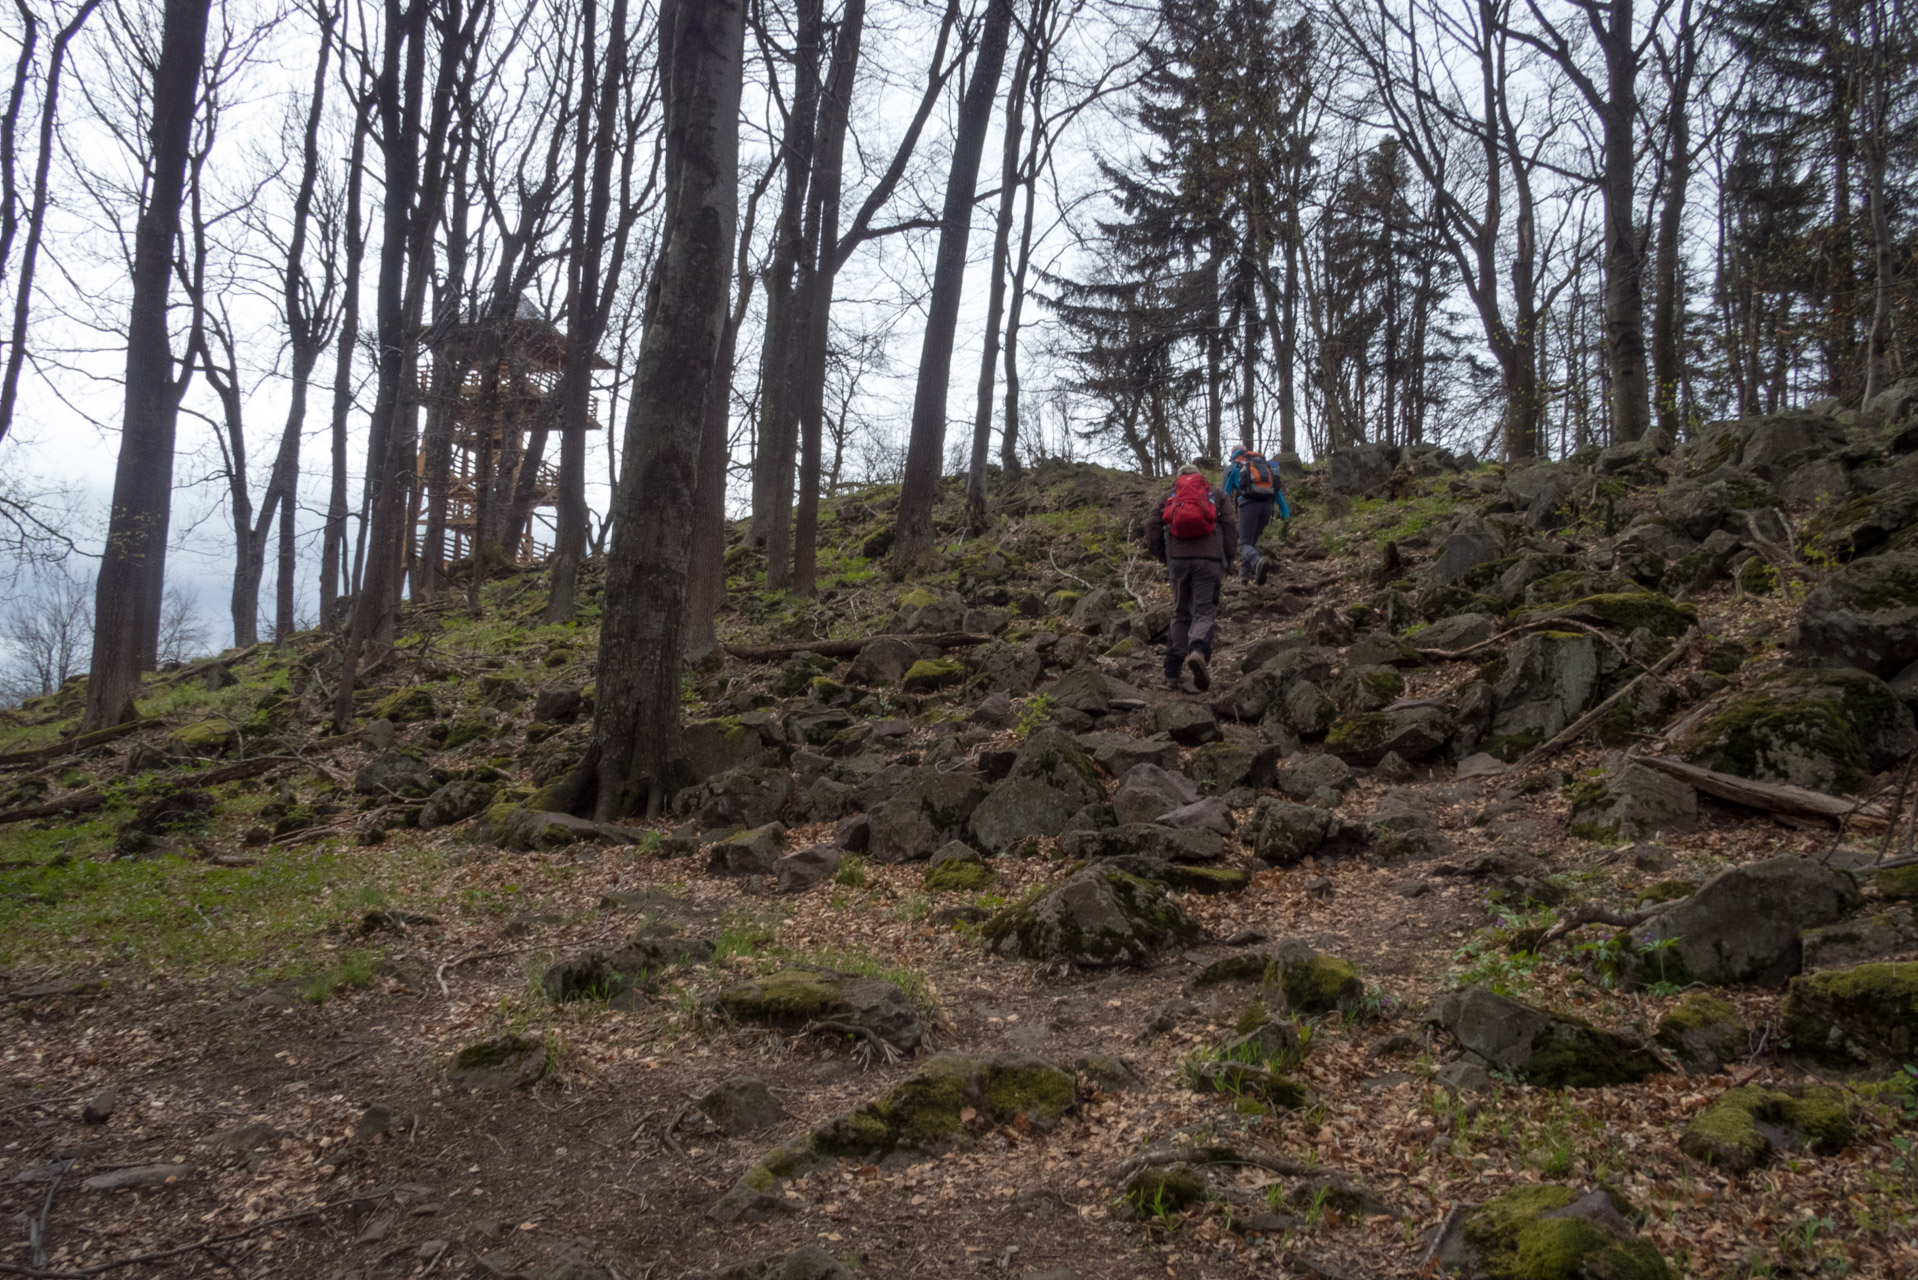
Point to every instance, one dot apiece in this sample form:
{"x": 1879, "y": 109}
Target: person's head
{"x": 1190, "y": 469}
{"x": 1240, "y": 452}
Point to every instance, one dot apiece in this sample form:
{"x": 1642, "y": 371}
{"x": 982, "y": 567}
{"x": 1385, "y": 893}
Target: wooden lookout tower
{"x": 497, "y": 383}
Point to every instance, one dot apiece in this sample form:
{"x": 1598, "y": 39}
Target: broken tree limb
{"x": 1593, "y": 915}
{"x": 69, "y": 746}
{"x": 1779, "y": 798}
{"x": 201, "y": 668}
{"x": 848, "y": 648}
{"x": 91, "y": 799}
{"x": 1578, "y": 727}
{"x": 1537, "y": 624}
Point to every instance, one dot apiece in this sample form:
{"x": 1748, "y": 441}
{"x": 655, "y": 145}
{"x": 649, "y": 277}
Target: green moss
{"x": 1872, "y": 1007}
{"x": 1511, "y": 747}
{"x": 1246, "y": 966}
{"x": 404, "y": 706}
{"x": 1361, "y": 732}
{"x": 917, "y": 598}
{"x": 1623, "y": 611}
{"x": 1757, "y": 578}
{"x": 1321, "y": 985}
{"x": 467, "y": 729}
{"x": 1188, "y": 878}
{"x": 1817, "y": 719}
{"x": 1736, "y": 1133}
{"x": 1576, "y": 1055}
{"x": 205, "y": 738}
{"x": 790, "y": 998}
{"x": 930, "y": 674}
{"x": 1037, "y": 1090}
{"x": 1154, "y": 1192}
{"x": 961, "y": 875}
{"x": 1383, "y": 684}
{"x": 1897, "y": 882}
{"x": 1515, "y": 1240}
{"x": 1669, "y": 891}
{"x": 497, "y": 1052}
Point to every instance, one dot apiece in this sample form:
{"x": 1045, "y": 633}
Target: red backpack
{"x": 1189, "y": 512}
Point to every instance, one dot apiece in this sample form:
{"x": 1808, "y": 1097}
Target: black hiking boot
{"x": 1201, "y": 676}
{"x": 1265, "y": 567}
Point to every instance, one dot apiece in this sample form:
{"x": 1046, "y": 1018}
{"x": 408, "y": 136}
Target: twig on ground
{"x": 211, "y": 1242}
{"x": 1593, "y": 915}
{"x": 37, "y": 1234}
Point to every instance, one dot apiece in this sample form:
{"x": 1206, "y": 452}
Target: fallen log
{"x": 848, "y": 648}
{"x": 1572, "y": 731}
{"x": 91, "y": 799}
{"x": 69, "y": 746}
{"x": 1779, "y": 798}
{"x": 1536, "y": 624}
{"x": 201, "y": 668}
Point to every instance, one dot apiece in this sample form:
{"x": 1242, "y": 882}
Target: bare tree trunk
{"x": 589, "y": 317}
{"x": 820, "y": 273}
{"x": 125, "y": 604}
{"x": 1877, "y": 148}
{"x": 37, "y": 214}
{"x": 636, "y": 723}
{"x": 779, "y": 415}
{"x": 926, "y": 448}
{"x": 1666, "y": 302}
{"x": 333, "y": 539}
{"x": 996, "y": 292}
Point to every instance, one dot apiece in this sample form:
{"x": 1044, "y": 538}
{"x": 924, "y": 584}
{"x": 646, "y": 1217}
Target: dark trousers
{"x": 1254, "y": 515}
{"x": 1195, "y": 609}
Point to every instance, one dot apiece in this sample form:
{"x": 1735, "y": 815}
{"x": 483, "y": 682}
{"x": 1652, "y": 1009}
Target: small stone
{"x": 1650, "y": 857}
{"x": 430, "y": 1249}
{"x": 1393, "y": 768}
{"x": 144, "y": 1175}
{"x": 741, "y": 1106}
{"x": 1318, "y": 888}
{"x": 99, "y": 1108}
{"x": 377, "y": 735}
{"x": 1465, "y": 1076}
{"x": 1412, "y": 888}
{"x": 1481, "y": 765}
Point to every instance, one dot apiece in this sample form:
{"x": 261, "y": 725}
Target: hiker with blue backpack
{"x": 1194, "y": 534}
{"x": 1253, "y": 483}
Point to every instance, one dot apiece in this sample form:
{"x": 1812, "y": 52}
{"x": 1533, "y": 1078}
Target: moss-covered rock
{"x": 1415, "y": 732}
{"x": 936, "y": 1109}
{"x": 1322, "y": 984}
{"x": 1704, "y": 1033}
{"x": 929, "y": 675}
{"x": 473, "y": 727}
{"x": 959, "y": 875}
{"x": 1744, "y": 1126}
{"x": 404, "y": 706}
{"x": 795, "y": 999}
{"x": 1896, "y": 882}
{"x": 1249, "y": 1079}
{"x": 1620, "y": 611}
{"x": 1551, "y": 1233}
{"x": 1098, "y": 916}
{"x": 503, "y": 1062}
{"x": 1826, "y": 728}
{"x": 1865, "y": 1016}
{"x": 1551, "y": 1050}
{"x": 211, "y": 737}
{"x": 1160, "y": 1192}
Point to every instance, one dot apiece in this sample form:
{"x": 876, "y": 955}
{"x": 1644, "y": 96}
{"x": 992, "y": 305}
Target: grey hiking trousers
{"x": 1195, "y": 609}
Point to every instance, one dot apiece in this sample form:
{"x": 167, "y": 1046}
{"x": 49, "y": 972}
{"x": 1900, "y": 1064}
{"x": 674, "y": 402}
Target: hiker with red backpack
{"x": 1193, "y": 533}
{"x": 1253, "y": 483}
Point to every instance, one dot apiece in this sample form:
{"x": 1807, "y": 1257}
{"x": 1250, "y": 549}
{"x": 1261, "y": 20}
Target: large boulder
{"x": 1782, "y": 443}
{"x": 1194, "y": 843}
{"x": 1826, "y": 728}
{"x": 794, "y": 999}
{"x": 1471, "y": 543}
{"x": 1864, "y": 616}
{"x": 1742, "y": 925}
{"x": 1096, "y": 917}
{"x": 1549, "y": 1232}
{"x": 1704, "y": 1033}
{"x": 1363, "y": 472}
{"x": 455, "y": 802}
{"x": 1281, "y": 833}
{"x": 1635, "y": 803}
{"x": 1415, "y": 730}
{"x": 1052, "y": 756}
{"x": 1403, "y": 829}
{"x": 1547, "y": 679}
{"x": 883, "y": 662}
{"x": 709, "y": 747}
{"x": 1744, "y": 1126}
{"x": 1146, "y": 791}
{"x": 746, "y": 797}
{"x": 394, "y": 775}
{"x": 1020, "y": 808}
{"x": 931, "y": 808}
{"x": 1539, "y": 1047}
{"x": 1862, "y": 1017}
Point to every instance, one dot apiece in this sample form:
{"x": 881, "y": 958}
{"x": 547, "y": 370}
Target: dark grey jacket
{"x": 1222, "y": 546}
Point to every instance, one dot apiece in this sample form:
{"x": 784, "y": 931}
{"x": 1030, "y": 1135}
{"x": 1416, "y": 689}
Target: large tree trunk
{"x": 926, "y": 448}
{"x": 996, "y": 291}
{"x": 1877, "y": 158}
{"x": 1666, "y": 301}
{"x": 636, "y": 724}
{"x": 821, "y": 272}
{"x": 779, "y": 397}
{"x": 1624, "y": 259}
{"x": 126, "y": 600}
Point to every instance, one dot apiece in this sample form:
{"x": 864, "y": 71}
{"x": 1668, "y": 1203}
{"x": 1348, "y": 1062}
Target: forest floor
{"x": 273, "y": 1026}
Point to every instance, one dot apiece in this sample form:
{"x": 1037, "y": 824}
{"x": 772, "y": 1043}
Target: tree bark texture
{"x": 636, "y": 723}
{"x": 124, "y": 605}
